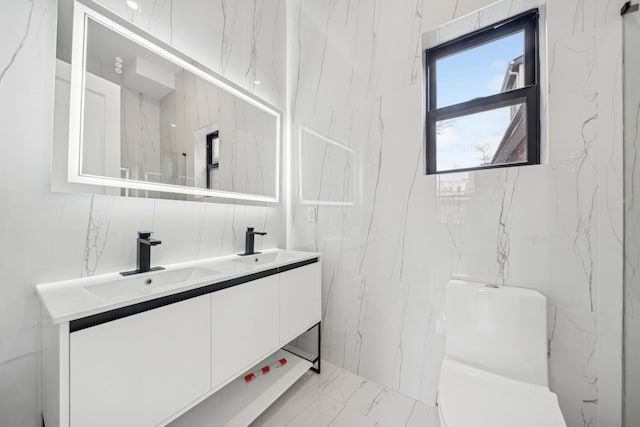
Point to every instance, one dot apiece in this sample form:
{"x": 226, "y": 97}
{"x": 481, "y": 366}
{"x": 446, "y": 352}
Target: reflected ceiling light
{"x": 257, "y": 82}
{"x": 118, "y": 65}
{"x": 133, "y": 4}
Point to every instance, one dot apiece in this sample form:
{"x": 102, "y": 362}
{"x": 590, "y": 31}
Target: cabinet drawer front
{"x": 244, "y": 327}
{"x": 300, "y": 301}
{"x": 138, "y": 370}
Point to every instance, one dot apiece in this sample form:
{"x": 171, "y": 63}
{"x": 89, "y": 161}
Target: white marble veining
{"x": 632, "y": 218}
{"x": 49, "y": 236}
{"x": 337, "y": 398}
{"x": 555, "y": 227}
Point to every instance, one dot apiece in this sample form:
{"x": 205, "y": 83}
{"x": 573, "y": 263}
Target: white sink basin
{"x": 147, "y": 283}
{"x": 267, "y": 258}
{"x": 73, "y": 299}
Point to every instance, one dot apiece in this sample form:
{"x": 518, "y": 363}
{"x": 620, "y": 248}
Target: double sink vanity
{"x": 171, "y": 344}
{"x": 174, "y": 346}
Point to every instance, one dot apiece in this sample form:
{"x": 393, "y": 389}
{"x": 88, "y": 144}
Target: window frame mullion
{"x": 479, "y": 105}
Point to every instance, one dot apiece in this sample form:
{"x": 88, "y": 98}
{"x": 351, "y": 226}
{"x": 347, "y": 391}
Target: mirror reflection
{"x": 147, "y": 119}
{"x": 327, "y": 170}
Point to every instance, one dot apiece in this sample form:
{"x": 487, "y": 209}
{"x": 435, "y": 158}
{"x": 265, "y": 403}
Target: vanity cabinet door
{"x": 300, "y": 304}
{"x": 138, "y": 370}
{"x": 244, "y": 327}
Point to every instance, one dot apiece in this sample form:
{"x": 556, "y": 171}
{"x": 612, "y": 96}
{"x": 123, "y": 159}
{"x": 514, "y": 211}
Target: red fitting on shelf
{"x": 283, "y": 362}
{"x": 266, "y": 370}
{"x": 249, "y": 377}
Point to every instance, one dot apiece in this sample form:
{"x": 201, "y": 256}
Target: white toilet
{"x": 494, "y": 372}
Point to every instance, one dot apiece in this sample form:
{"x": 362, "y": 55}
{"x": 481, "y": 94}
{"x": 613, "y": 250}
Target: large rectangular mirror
{"x": 150, "y": 122}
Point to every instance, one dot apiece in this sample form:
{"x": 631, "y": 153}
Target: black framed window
{"x": 483, "y": 98}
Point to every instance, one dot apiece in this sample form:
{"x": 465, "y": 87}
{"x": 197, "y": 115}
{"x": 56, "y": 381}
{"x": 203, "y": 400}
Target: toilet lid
{"x": 469, "y": 396}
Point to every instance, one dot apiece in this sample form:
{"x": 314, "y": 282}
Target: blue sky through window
{"x": 461, "y": 77}
{"x": 476, "y": 72}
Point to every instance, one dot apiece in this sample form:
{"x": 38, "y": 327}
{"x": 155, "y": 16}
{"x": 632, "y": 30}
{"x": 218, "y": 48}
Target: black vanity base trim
{"x": 130, "y": 310}
{"x": 319, "y": 358}
{"x": 296, "y": 265}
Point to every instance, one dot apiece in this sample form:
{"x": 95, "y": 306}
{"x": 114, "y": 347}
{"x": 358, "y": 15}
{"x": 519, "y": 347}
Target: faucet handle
{"x": 144, "y": 234}
{"x": 250, "y": 231}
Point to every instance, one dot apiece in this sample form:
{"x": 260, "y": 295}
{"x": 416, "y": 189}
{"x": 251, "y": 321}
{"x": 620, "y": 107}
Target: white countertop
{"x": 73, "y": 299}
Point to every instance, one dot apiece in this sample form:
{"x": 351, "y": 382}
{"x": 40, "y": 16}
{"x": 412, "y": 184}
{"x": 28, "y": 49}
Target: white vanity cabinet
{"x": 244, "y": 327}
{"x": 150, "y": 361}
{"x": 140, "y": 369}
{"x": 300, "y": 297}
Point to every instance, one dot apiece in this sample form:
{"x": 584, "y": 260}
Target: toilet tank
{"x": 501, "y": 330}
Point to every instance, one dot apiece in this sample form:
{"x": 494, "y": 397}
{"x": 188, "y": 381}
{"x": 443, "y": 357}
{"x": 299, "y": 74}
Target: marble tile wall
{"x": 140, "y": 135}
{"x": 355, "y": 77}
{"x": 47, "y": 236}
{"x": 632, "y": 218}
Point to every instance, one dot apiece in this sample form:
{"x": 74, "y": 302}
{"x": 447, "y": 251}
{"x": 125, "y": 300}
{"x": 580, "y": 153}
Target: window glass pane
{"x": 492, "y": 137}
{"x": 494, "y": 67}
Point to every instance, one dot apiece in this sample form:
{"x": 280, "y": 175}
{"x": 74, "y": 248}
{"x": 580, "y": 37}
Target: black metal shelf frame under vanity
{"x": 130, "y": 310}
{"x": 314, "y": 360}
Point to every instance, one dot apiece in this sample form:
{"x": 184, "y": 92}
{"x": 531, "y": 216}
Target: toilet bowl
{"x": 494, "y": 373}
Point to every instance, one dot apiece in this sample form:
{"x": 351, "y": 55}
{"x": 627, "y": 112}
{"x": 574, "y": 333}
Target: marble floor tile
{"x": 340, "y": 398}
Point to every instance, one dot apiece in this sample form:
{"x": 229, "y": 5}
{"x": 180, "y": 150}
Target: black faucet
{"x": 144, "y": 254}
{"x": 249, "y": 241}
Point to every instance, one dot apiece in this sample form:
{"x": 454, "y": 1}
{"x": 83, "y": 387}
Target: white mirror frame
{"x": 81, "y": 16}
